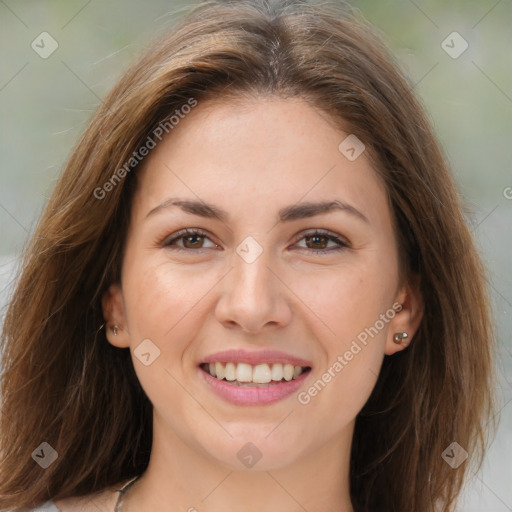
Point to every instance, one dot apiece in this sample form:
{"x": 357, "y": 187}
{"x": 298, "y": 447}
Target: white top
{"x": 49, "y": 506}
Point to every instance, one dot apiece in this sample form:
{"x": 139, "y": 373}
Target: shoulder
{"x": 101, "y": 501}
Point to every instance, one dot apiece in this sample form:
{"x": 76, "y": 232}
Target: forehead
{"x": 263, "y": 151}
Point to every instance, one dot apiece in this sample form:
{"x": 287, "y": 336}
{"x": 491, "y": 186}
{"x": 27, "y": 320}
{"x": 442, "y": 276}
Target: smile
{"x": 260, "y": 375}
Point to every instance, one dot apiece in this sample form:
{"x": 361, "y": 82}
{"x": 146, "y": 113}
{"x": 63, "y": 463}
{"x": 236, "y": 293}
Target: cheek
{"x": 354, "y": 305}
{"x": 163, "y": 302}
{"x": 349, "y": 299}
{"x": 160, "y": 296}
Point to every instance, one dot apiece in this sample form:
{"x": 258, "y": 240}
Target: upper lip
{"x": 255, "y": 357}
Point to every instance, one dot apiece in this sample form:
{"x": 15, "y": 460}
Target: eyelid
{"x": 182, "y": 233}
{"x": 342, "y": 242}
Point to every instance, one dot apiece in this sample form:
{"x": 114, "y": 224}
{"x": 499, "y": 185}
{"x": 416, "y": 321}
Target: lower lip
{"x": 244, "y": 395}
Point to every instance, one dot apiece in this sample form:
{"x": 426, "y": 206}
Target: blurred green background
{"x": 45, "y": 104}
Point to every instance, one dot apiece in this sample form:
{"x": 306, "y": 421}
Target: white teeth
{"x": 230, "y": 372}
{"x": 219, "y": 370}
{"x": 243, "y": 372}
{"x": 260, "y": 374}
{"x": 277, "y": 372}
{"x": 287, "y": 372}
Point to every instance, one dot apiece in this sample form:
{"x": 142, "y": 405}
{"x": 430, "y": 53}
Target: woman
{"x": 259, "y": 212}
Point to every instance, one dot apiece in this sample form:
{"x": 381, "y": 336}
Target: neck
{"x": 179, "y": 478}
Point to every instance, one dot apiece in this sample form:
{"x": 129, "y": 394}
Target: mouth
{"x": 261, "y": 375}
{"x": 253, "y": 377}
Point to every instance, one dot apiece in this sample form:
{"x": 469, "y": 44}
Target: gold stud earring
{"x": 399, "y": 336}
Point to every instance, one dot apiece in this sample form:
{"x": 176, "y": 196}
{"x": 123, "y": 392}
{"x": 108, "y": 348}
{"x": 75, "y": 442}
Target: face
{"x": 264, "y": 286}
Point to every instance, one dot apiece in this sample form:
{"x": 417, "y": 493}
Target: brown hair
{"x": 64, "y": 384}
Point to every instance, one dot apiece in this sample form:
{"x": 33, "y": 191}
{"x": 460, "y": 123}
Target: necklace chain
{"x": 122, "y": 491}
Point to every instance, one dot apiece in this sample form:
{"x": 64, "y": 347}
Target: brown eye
{"x": 318, "y": 241}
{"x": 191, "y": 240}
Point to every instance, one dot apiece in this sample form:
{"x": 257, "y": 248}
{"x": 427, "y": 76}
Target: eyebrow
{"x": 287, "y": 214}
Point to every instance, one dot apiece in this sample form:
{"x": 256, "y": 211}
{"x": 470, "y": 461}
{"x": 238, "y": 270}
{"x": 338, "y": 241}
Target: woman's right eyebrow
{"x": 192, "y": 206}
{"x": 286, "y": 214}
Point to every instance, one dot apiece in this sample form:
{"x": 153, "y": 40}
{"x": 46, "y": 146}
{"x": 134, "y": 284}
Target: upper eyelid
{"x": 341, "y": 240}
{"x": 182, "y": 233}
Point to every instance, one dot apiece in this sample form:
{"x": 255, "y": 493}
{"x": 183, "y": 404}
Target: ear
{"x": 113, "y": 312}
{"x": 407, "y": 319}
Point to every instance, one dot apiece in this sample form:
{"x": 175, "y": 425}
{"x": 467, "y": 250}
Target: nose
{"x": 253, "y": 298}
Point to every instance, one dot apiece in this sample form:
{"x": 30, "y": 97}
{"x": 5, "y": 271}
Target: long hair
{"x": 64, "y": 384}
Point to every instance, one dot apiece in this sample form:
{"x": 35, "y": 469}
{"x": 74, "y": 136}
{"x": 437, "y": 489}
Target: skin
{"x": 251, "y": 158}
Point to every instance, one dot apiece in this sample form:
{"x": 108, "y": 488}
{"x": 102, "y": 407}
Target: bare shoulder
{"x": 102, "y": 501}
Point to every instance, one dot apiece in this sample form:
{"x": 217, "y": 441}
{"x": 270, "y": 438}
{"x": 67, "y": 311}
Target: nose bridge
{"x": 252, "y": 296}
{"x": 251, "y": 278}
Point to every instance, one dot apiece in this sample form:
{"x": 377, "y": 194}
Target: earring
{"x": 399, "y": 336}
{"x": 115, "y": 328}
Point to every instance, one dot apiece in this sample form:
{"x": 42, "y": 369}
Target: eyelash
{"x": 342, "y": 245}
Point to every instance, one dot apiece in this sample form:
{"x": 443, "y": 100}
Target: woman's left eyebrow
{"x": 287, "y": 214}
{"x": 308, "y": 209}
